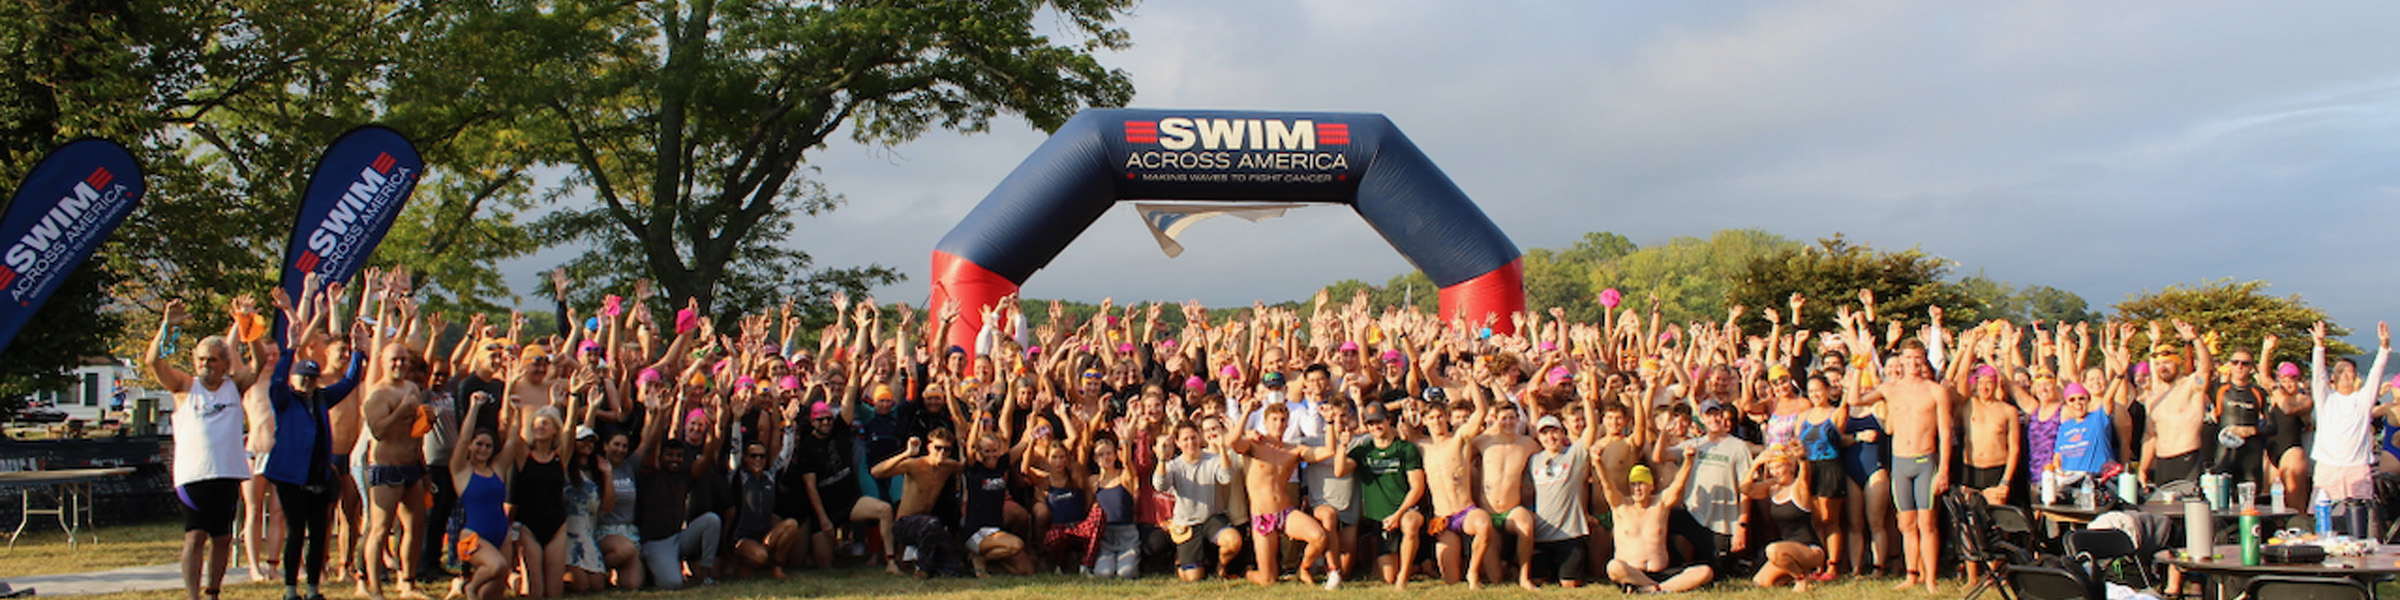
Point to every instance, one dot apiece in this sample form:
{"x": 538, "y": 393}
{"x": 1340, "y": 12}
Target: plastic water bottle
{"x": 2323, "y": 507}
{"x": 2275, "y": 496}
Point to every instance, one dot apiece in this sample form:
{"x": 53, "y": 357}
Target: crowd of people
{"x": 1340, "y": 443}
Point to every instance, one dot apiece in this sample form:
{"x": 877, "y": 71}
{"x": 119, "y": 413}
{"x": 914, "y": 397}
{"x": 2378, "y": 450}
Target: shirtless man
{"x": 347, "y": 442}
{"x": 1615, "y": 452}
{"x": 2179, "y": 408}
{"x": 927, "y": 463}
{"x": 1641, "y": 533}
{"x": 1448, "y": 470}
{"x": 1272, "y": 463}
{"x": 1995, "y": 440}
{"x": 396, "y": 422}
{"x": 1920, "y": 425}
{"x": 1503, "y": 453}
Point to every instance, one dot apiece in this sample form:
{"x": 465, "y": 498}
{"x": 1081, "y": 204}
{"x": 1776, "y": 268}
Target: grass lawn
{"x": 159, "y": 543}
{"x": 43, "y": 550}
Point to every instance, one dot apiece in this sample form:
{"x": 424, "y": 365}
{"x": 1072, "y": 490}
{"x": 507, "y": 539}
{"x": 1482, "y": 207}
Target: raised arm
{"x": 169, "y": 377}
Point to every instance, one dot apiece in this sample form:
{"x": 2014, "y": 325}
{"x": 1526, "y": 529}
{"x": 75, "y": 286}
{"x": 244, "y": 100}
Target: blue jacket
{"x": 303, "y": 428}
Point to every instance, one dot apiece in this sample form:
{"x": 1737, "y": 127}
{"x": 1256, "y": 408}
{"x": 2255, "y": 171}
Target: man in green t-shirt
{"x": 1391, "y": 481}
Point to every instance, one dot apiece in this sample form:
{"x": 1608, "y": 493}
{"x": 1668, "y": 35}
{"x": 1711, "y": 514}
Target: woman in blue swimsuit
{"x": 1866, "y": 461}
{"x": 484, "y": 543}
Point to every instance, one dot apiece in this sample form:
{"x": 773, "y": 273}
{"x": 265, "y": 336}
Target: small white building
{"x": 102, "y": 384}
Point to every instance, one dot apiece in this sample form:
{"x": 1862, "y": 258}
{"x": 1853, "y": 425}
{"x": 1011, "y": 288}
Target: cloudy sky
{"x": 2103, "y": 148}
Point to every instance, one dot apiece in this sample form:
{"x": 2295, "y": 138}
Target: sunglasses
{"x": 2239, "y": 363}
{"x": 757, "y": 455}
{"x": 491, "y": 347}
{"x": 1091, "y": 374}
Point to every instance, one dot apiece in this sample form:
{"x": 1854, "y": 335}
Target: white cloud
{"x": 2101, "y": 148}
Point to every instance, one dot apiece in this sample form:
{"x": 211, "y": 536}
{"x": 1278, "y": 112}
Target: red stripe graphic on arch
{"x": 1141, "y": 132}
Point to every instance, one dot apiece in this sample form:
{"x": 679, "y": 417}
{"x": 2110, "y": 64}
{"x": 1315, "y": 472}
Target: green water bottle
{"x": 2250, "y": 539}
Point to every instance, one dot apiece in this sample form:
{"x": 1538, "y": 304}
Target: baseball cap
{"x": 307, "y": 368}
{"x": 1640, "y": 474}
{"x": 1711, "y": 404}
{"x": 1347, "y": 347}
{"x": 1548, "y": 421}
{"x": 1374, "y": 412}
{"x": 1393, "y": 356}
{"x": 820, "y": 410}
{"x": 585, "y": 432}
{"x": 883, "y": 391}
{"x": 1273, "y": 379}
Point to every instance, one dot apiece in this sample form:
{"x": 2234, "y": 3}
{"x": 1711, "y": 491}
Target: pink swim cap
{"x": 2075, "y": 389}
{"x": 2287, "y": 370}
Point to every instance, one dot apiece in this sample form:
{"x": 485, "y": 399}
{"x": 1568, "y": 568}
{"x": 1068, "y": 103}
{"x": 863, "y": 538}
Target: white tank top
{"x": 208, "y": 433}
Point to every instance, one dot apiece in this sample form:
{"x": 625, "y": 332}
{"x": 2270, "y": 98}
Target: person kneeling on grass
{"x": 1796, "y": 554}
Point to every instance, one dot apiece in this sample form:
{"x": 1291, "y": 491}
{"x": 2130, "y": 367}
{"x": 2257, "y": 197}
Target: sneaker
{"x": 1333, "y": 580}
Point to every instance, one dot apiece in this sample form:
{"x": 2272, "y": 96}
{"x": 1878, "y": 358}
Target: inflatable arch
{"x": 1103, "y": 156}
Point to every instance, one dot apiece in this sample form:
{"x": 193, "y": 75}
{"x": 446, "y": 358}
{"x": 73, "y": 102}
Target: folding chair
{"x": 1974, "y": 526}
{"x": 2050, "y": 583}
{"x": 2290, "y": 587}
{"x": 2016, "y": 527}
{"x": 2100, "y": 550}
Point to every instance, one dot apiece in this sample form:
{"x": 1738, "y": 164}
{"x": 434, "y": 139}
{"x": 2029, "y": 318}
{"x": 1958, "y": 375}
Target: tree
{"x": 1906, "y": 283}
{"x": 2241, "y": 313}
{"x": 1691, "y": 276}
{"x": 689, "y": 121}
{"x": 2004, "y": 301}
{"x": 227, "y": 104}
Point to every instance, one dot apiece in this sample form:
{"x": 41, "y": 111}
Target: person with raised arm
{"x": 828, "y": 492}
{"x": 924, "y": 540}
{"x": 1643, "y": 563}
{"x": 1796, "y": 554}
{"x": 1273, "y": 510}
{"x": 1921, "y": 427}
{"x": 1448, "y": 446}
{"x": 2178, "y": 405}
{"x": 486, "y": 542}
{"x": 1502, "y": 451}
{"x": 2242, "y": 408}
{"x": 210, "y": 462}
{"x": 302, "y": 465}
{"x": 396, "y": 421}
{"x": 1193, "y": 476}
{"x": 1390, "y": 474}
{"x": 2344, "y": 450}
{"x": 1558, "y": 474}
{"x": 671, "y": 536}
{"x": 2293, "y": 414}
